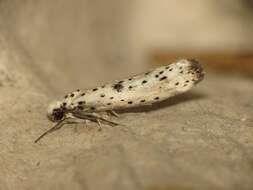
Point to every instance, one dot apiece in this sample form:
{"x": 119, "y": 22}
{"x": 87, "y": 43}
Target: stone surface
{"x": 199, "y": 140}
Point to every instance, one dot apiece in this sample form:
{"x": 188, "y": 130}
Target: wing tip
{"x": 197, "y": 69}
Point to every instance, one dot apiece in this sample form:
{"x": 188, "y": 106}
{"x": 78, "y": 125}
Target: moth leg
{"x": 108, "y": 122}
{"x": 93, "y": 117}
{"x": 86, "y": 123}
{"x": 112, "y": 112}
{"x": 99, "y": 125}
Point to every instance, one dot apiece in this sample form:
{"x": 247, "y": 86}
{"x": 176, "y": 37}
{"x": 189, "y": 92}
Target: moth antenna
{"x": 54, "y": 128}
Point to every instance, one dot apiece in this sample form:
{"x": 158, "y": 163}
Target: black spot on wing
{"x": 118, "y": 86}
{"x": 163, "y": 78}
{"x": 80, "y": 107}
{"x": 81, "y": 102}
{"x": 157, "y": 98}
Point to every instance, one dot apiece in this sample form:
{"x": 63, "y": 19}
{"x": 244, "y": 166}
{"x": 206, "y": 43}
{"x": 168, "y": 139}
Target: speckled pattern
{"x": 199, "y": 140}
{"x": 202, "y": 139}
{"x": 143, "y": 89}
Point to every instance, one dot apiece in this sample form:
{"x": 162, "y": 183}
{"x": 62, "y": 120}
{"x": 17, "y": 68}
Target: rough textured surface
{"x": 200, "y": 140}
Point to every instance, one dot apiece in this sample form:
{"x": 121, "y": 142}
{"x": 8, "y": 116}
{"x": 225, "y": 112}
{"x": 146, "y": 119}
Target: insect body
{"x": 143, "y": 89}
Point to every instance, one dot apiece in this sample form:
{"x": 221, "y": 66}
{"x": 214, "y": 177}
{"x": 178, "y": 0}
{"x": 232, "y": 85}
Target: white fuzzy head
{"x": 55, "y": 112}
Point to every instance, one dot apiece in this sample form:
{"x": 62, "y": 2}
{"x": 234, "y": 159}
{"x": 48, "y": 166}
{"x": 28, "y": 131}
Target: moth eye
{"x": 57, "y": 115}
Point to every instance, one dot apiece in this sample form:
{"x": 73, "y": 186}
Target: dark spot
{"x": 66, "y": 96}
{"x": 118, "y": 87}
{"x": 120, "y": 81}
{"x": 78, "y": 90}
{"x": 130, "y": 102}
{"x": 187, "y": 81}
{"x": 163, "y": 78}
{"x": 102, "y": 95}
{"x": 64, "y": 104}
{"x": 81, "y": 102}
{"x": 181, "y": 72}
{"x": 130, "y": 79}
{"x": 122, "y": 100}
{"x": 92, "y": 108}
{"x": 156, "y": 76}
{"x": 58, "y": 114}
{"x": 143, "y": 100}
{"x": 171, "y": 69}
{"x": 157, "y": 98}
{"x": 177, "y": 83}
{"x": 80, "y": 107}
{"x": 72, "y": 95}
{"x": 109, "y": 104}
{"x": 167, "y": 67}
{"x": 147, "y": 73}
{"x": 103, "y": 86}
{"x": 94, "y": 89}
{"x": 143, "y": 82}
{"x": 111, "y": 98}
{"x": 185, "y": 85}
{"x": 130, "y": 87}
{"x": 82, "y": 94}
{"x": 161, "y": 72}
{"x": 180, "y": 68}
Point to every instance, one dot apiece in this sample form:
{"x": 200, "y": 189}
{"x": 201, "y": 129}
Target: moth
{"x": 143, "y": 89}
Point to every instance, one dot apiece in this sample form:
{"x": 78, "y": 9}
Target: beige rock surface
{"x": 200, "y": 140}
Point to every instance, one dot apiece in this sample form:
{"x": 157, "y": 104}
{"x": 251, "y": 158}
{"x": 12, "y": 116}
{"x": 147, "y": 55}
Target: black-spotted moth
{"x": 142, "y": 89}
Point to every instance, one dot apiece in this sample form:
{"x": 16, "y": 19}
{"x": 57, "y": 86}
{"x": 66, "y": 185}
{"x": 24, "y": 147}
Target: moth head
{"x": 55, "y": 112}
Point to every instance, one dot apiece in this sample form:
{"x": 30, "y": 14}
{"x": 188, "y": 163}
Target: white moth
{"x": 139, "y": 90}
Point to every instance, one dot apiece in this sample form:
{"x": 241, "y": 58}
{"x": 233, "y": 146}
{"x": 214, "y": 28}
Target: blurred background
{"x": 80, "y": 43}
{"x": 202, "y": 139}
